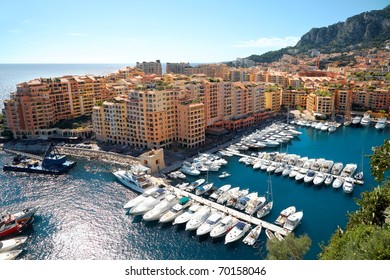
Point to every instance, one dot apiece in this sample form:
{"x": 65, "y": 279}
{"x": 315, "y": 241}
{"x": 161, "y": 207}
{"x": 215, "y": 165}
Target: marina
{"x": 97, "y": 197}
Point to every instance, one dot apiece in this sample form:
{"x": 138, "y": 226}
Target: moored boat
{"x": 10, "y": 255}
{"x": 293, "y": 221}
{"x": 212, "y": 221}
{"x": 199, "y": 217}
{"x": 270, "y": 235}
{"x": 136, "y": 179}
{"x": 226, "y": 224}
{"x": 253, "y": 235}
{"x": 186, "y": 215}
{"x": 158, "y": 210}
{"x": 237, "y": 232}
{"x": 176, "y": 210}
{"x": 284, "y": 215}
{"x": 151, "y": 201}
{"x": 11, "y": 244}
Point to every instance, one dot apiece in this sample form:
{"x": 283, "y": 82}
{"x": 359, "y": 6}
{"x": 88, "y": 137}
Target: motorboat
{"x": 265, "y": 210}
{"x": 338, "y": 182}
{"x": 253, "y": 235}
{"x": 198, "y": 218}
{"x": 270, "y": 235}
{"x": 278, "y": 236}
{"x": 223, "y": 198}
{"x": 138, "y": 199}
{"x": 294, "y": 171}
{"x": 356, "y": 120}
{"x": 195, "y": 184}
{"x": 136, "y": 179}
{"x": 348, "y": 170}
{"x": 8, "y": 228}
{"x": 215, "y": 195}
{"x": 10, "y": 255}
{"x": 365, "y": 121}
{"x": 226, "y": 224}
{"x": 157, "y": 211}
{"x": 151, "y": 201}
{"x": 188, "y": 169}
{"x": 224, "y": 174}
{"x": 11, "y": 244}
{"x": 212, "y": 221}
{"x": 235, "y": 196}
{"x": 203, "y": 189}
{"x": 254, "y": 204}
{"x": 319, "y": 125}
{"x": 237, "y": 232}
{"x": 186, "y": 215}
{"x": 21, "y": 216}
{"x": 359, "y": 175}
{"x": 332, "y": 127}
{"x": 336, "y": 169}
{"x": 286, "y": 171}
{"x": 293, "y": 221}
{"x": 326, "y": 166}
{"x": 325, "y": 127}
{"x": 176, "y": 210}
{"x": 301, "y": 174}
{"x": 319, "y": 179}
{"x": 348, "y": 185}
{"x": 284, "y": 215}
{"x": 183, "y": 186}
{"x": 329, "y": 179}
{"x": 309, "y": 177}
{"x": 242, "y": 202}
{"x": 281, "y": 168}
{"x": 348, "y": 122}
{"x": 381, "y": 124}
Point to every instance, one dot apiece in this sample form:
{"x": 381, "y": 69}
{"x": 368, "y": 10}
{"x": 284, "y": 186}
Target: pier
{"x": 232, "y": 212}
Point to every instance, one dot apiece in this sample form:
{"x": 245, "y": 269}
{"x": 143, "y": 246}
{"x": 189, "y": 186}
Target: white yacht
{"x": 338, "y": 182}
{"x": 293, "y": 221}
{"x": 185, "y": 216}
{"x": 270, "y": 235}
{"x": 151, "y": 201}
{"x": 203, "y": 189}
{"x": 199, "y": 217}
{"x": 348, "y": 170}
{"x": 332, "y": 127}
{"x": 176, "y": 210}
{"x": 138, "y": 199}
{"x": 348, "y": 185}
{"x": 227, "y": 223}
{"x": 188, "y": 169}
{"x": 336, "y": 169}
{"x": 365, "y": 121}
{"x": 159, "y": 210}
{"x": 237, "y": 232}
{"x": 253, "y": 235}
{"x": 223, "y": 198}
{"x": 224, "y": 174}
{"x": 215, "y": 195}
{"x": 212, "y": 221}
{"x": 10, "y": 255}
{"x": 135, "y": 179}
{"x": 195, "y": 184}
{"x": 265, "y": 210}
{"x": 381, "y": 124}
{"x": 242, "y": 202}
{"x": 356, "y": 120}
{"x": 329, "y": 179}
{"x": 284, "y": 215}
{"x": 11, "y": 244}
{"x": 255, "y": 204}
{"x": 309, "y": 177}
{"x": 301, "y": 174}
{"x": 319, "y": 179}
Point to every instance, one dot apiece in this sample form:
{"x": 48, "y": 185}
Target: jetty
{"x": 229, "y": 211}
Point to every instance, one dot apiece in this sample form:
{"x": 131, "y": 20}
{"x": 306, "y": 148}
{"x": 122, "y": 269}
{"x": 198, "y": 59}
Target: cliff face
{"x": 369, "y": 29}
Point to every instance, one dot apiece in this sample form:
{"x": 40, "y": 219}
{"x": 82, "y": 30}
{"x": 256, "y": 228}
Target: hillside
{"x": 366, "y": 30}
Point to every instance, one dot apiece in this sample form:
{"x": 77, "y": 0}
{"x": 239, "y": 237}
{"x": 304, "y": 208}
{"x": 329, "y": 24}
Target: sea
{"x": 81, "y": 214}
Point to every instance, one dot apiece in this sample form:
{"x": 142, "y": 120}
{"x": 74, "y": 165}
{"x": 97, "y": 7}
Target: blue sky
{"x": 119, "y": 31}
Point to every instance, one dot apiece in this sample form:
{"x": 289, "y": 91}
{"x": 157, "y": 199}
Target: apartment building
{"x": 176, "y": 68}
{"x": 41, "y": 103}
{"x": 150, "y": 67}
{"x": 191, "y": 123}
{"x": 273, "y": 100}
{"x": 343, "y": 100}
{"x": 320, "y": 102}
{"x": 210, "y": 70}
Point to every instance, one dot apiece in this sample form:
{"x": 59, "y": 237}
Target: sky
{"x": 196, "y": 31}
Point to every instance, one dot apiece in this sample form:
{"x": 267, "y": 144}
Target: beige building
{"x": 273, "y": 100}
{"x": 320, "y": 102}
{"x": 150, "y": 67}
{"x": 153, "y": 159}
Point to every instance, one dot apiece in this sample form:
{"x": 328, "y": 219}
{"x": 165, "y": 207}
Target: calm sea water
{"x": 81, "y": 215}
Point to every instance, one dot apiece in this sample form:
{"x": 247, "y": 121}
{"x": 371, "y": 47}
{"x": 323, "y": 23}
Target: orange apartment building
{"x": 41, "y": 103}
{"x": 293, "y": 98}
{"x": 320, "y": 103}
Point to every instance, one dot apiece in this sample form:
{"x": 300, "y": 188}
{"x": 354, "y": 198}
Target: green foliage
{"x": 270, "y": 56}
{"x": 380, "y": 160}
{"x": 321, "y": 92}
{"x": 299, "y": 108}
{"x": 74, "y": 123}
{"x": 7, "y": 133}
{"x": 364, "y": 242}
{"x": 291, "y": 248}
{"x": 388, "y": 76}
{"x": 1, "y": 119}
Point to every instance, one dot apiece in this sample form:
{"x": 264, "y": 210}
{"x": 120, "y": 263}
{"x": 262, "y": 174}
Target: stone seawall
{"x": 108, "y": 157}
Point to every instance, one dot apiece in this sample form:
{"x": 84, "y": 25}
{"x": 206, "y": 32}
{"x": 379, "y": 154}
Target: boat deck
{"x": 242, "y": 216}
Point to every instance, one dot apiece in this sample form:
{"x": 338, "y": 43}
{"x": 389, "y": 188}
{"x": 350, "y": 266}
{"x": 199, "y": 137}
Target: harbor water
{"x": 81, "y": 214}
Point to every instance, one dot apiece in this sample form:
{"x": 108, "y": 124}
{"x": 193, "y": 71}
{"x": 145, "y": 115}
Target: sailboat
{"x": 266, "y": 209}
{"x": 359, "y": 175}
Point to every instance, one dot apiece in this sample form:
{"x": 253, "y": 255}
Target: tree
{"x": 291, "y": 248}
{"x": 380, "y": 160}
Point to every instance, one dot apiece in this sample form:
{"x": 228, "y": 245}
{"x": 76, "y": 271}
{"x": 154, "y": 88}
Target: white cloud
{"x": 273, "y": 42}
{"x": 76, "y": 34}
